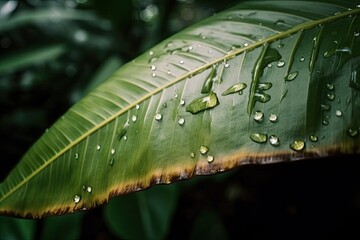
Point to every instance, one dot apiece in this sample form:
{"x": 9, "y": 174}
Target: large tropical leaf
{"x": 262, "y": 82}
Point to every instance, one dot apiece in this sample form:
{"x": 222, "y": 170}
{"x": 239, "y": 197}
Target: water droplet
{"x": 158, "y": 116}
{"x": 355, "y": 80}
{"x": 125, "y": 138}
{"x": 274, "y": 140}
{"x": 153, "y": 67}
{"x": 192, "y": 155}
{"x": 112, "y": 151}
{"x": 151, "y": 60}
{"x": 203, "y": 149}
{"x": 153, "y": 74}
{"x": 325, "y": 107}
{"x": 330, "y": 86}
{"x": 182, "y": 102}
{"x": 169, "y": 72}
{"x": 313, "y": 138}
{"x": 208, "y": 83}
{"x": 190, "y": 48}
{"x": 151, "y": 53}
{"x": 226, "y": 65}
{"x": 98, "y": 147}
{"x": 352, "y": 132}
{"x": 235, "y": 88}
{"x": 262, "y": 97}
{"x": 258, "y": 137}
{"x": 76, "y": 156}
{"x": 280, "y": 63}
{"x": 356, "y": 34}
{"x": 210, "y": 159}
{"x": 203, "y": 103}
{"x": 301, "y": 59}
{"x": 137, "y": 106}
{"x": 111, "y": 162}
{"x": 343, "y": 50}
{"x": 134, "y": 118}
{"x": 265, "y": 86}
{"x": 258, "y": 116}
{"x": 330, "y": 96}
{"x": 269, "y": 65}
{"x": 46, "y": 130}
{"x": 181, "y": 121}
{"x": 291, "y": 76}
{"x": 297, "y": 145}
{"x": 87, "y": 188}
{"x": 338, "y": 113}
{"x": 181, "y": 61}
{"x": 325, "y": 122}
{"x": 246, "y": 44}
{"x": 273, "y": 117}
{"x": 123, "y": 131}
{"x": 76, "y": 198}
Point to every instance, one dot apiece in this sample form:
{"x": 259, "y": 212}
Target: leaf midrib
{"x": 300, "y": 27}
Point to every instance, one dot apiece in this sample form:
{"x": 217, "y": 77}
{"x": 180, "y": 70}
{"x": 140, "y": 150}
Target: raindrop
{"x": 325, "y": 122}
{"x": 273, "y": 117}
{"x": 258, "y": 137}
{"x": 356, "y": 34}
{"x": 192, "y": 155}
{"x": 125, "y": 138}
{"x": 352, "y": 132}
{"x": 313, "y": 138}
{"x": 297, "y": 145}
{"x": 151, "y": 60}
{"x": 330, "y": 86}
{"x": 280, "y": 63}
{"x": 190, "y": 48}
{"x": 76, "y": 198}
{"x": 226, "y": 65}
{"x": 325, "y": 107}
{"x": 274, "y": 140}
{"x": 264, "y": 86}
{"x": 344, "y": 50}
{"x": 338, "y": 113}
{"x": 203, "y": 149}
{"x": 76, "y": 156}
{"x": 258, "y": 116}
{"x": 203, "y": 103}
{"x": 235, "y": 88}
{"x": 208, "y": 83}
{"x": 182, "y": 102}
{"x": 181, "y": 61}
{"x": 181, "y": 121}
{"x": 137, "y": 106}
{"x": 112, "y": 151}
{"x": 330, "y": 96}
{"x": 134, "y": 118}
{"x": 98, "y": 147}
{"x": 165, "y": 105}
{"x": 291, "y": 76}
{"x": 151, "y": 53}
{"x": 153, "y": 74}
{"x": 87, "y": 188}
{"x": 111, "y": 162}
{"x": 169, "y": 72}
{"x": 246, "y": 44}
{"x": 158, "y": 116}
{"x": 210, "y": 159}
{"x": 269, "y": 65}
{"x": 153, "y": 67}
{"x": 123, "y": 130}
{"x": 301, "y": 59}
{"x": 262, "y": 97}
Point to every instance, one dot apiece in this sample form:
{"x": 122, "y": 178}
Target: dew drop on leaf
{"x": 226, "y": 65}
{"x": 182, "y": 102}
{"x": 264, "y": 86}
{"x": 210, "y": 159}
{"x": 274, "y": 140}
{"x": 262, "y": 97}
{"x": 258, "y": 137}
{"x": 134, "y": 118}
{"x": 203, "y": 149}
{"x": 112, "y": 151}
{"x": 235, "y": 88}
{"x": 301, "y": 59}
{"x": 291, "y": 76}
{"x": 181, "y": 121}
{"x": 330, "y": 86}
{"x": 325, "y": 122}
{"x": 355, "y": 80}
{"x": 330, "y": 96}
{"x": 153, "y": 67}
{"x": 325, "y": 107}
{"x": 356, "y": 34}
{"x": 297, "y": 145}
{"x": 280, "y": 63}
{"x": 181, "y": 61}
{"x": 273, "y": 117}
{"x": 158, "y": 116}
{"x": 352, "y": 132}
{"x": 137, "y": 106}
{"x": 76, "y": 198}
{"x": 76, "y": 156}
{"x": 192, "y": 155}
{"x": 98, "y": 147}
{"x": 313, "y": 138}
{"x": 203, "y": 103}
{"x": 338, "y": 113}
{"x": 153, "y": 74}
{"x": 258, "y": 116}
{"x": 151, "y": 53}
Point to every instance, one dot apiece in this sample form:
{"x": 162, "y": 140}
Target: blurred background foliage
{"x": 54, "y": 52}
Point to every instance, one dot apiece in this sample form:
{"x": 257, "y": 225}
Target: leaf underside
{"x": 262, "y": 82}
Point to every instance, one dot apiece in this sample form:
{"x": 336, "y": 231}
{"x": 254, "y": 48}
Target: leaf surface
{"x": 262, "y": 82}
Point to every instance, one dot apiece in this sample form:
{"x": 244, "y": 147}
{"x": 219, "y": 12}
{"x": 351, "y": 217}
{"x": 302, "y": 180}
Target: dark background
{"x": 312, "y": 199}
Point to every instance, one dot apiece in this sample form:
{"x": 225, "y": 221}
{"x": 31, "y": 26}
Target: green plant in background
{"x": 237, "y": 88}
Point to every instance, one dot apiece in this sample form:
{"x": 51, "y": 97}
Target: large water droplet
{"x": 235, "y": 88}
{"x": 297, "y": 145}
{"x": 291, "y": 76}
{"x": 258, "y": 116}
{"x": 76, "y": 198}
{"x": 203, "y": 149}
{"x": 181, "y": 121}
{"x": 210, "y": 159}
{"x": 264, "y": 86}
{"x": 262, "y": 97}
{"x": 280, "y": 63}
{"x": 313, "y": 138}
{"x": 274, "y": 140}
{"x": 158, "y": 116}
{"x": 258, "y": 137}
{"x": 203, "y": 103}
{"x": 273, "y": 117}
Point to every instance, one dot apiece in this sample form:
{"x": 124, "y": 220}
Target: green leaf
{"x": 14, "y": 228}
{"x": 144, "y": 215}
{"x": 150, "y": 123}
